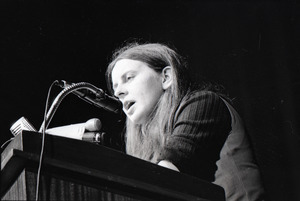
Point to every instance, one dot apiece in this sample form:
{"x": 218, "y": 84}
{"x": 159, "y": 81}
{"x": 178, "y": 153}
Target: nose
{"x": 120, "y": 92}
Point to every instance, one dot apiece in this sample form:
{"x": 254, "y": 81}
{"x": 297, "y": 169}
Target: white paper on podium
{"x": 74, "y": 131}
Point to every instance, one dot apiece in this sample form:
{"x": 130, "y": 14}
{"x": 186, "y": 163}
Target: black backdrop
{"x": 252, "y": 49}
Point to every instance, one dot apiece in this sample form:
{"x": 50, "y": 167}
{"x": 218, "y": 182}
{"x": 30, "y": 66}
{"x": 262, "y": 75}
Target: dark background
{"x": 251, "y": 48}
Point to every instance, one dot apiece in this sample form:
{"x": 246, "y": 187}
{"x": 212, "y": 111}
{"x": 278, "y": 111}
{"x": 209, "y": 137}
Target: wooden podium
{"x": 78, "y": 170}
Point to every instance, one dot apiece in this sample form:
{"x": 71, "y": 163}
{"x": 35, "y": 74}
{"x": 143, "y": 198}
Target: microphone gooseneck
{"x": 95, "y": 96}
{"x": 91, "y": 94}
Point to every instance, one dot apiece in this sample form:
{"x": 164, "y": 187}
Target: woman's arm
{"x": 201, "y": 125}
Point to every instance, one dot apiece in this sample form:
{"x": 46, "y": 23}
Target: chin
{"x": 140, "y": 116}
{"x": 137, "y": 120}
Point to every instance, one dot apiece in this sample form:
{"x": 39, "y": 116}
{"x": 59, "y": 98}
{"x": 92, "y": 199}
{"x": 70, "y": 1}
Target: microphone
{"x": 95, "y": 96}
{"x": 87, "y": 131}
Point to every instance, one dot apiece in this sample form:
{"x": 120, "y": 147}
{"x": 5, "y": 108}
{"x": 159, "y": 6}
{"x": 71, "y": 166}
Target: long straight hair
{"x": 145, "y": 141}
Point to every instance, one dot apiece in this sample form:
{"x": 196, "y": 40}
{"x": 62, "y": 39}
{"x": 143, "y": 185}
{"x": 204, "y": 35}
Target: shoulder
{"x": 200, "y": 94}
{"x": 201, "y": 103}
{"x": 200, "y": 97}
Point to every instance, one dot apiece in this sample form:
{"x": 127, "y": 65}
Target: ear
{"x": 167, "y": 77}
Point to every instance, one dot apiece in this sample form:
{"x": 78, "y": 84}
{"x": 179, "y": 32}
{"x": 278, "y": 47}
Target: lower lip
{"x": 130, "y": 110}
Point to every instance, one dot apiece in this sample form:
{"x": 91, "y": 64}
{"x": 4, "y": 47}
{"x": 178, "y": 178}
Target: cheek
{"x": 152, "y": 89}
{"x": 153, "y": 96}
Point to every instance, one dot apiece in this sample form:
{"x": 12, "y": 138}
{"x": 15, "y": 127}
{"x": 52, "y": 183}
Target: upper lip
{"x": 127, "y": 104}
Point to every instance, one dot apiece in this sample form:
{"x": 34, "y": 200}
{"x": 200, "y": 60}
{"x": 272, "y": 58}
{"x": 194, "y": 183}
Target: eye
{"x": 129, "y": 77}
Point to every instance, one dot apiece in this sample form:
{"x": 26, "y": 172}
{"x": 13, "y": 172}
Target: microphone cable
{"x": 43, "y": 143}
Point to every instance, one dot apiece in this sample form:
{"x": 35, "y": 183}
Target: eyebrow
{"x": 122, "y": 77}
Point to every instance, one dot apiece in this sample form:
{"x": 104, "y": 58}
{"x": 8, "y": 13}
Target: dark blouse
{"x": 201, "y": 125}
{"x": 208, "y": 140}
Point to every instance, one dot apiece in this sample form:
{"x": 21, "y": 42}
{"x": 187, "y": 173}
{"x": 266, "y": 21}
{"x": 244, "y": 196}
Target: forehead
{"x": 126, "y": 65}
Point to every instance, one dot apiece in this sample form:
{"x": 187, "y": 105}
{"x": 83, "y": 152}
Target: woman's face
{"x": 138, "y": 87}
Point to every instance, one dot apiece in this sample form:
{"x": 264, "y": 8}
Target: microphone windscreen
{"x": 93, "y": 125}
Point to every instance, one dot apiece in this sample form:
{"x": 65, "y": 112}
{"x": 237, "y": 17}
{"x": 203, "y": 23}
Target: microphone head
{"x": 93, "y": 125}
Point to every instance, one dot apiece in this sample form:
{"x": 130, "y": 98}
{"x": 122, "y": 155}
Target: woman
{"x": 173, "y": 124}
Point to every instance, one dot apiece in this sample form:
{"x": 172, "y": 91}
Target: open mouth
{"x": 128, "y": 105}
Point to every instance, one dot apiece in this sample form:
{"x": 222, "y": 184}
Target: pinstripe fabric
{"x": 206, "y": 127}
{"x": 200, "y": 127}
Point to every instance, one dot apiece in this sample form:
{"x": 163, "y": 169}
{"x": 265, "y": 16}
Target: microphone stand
{"x": 74, "y": 87}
